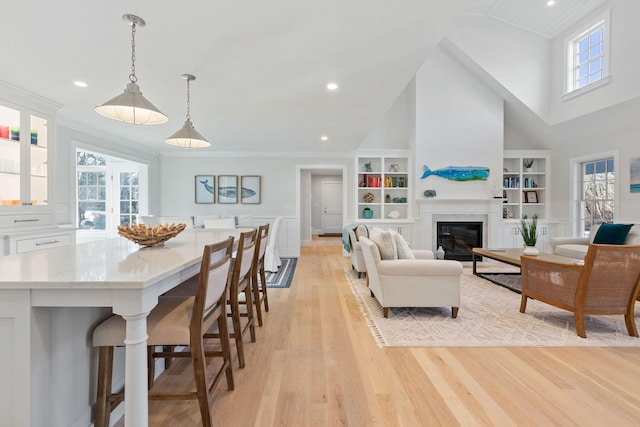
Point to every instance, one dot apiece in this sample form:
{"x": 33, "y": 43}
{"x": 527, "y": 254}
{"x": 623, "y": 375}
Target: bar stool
{"x": 260, "y": 286}
{"x": 177, "y": 321}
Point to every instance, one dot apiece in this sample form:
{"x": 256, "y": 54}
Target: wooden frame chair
{"x": 241, "y": 282}
{"x": 607, "y": 283}
{"x": 260, "y": 286}
{"x": 177, "y": 321}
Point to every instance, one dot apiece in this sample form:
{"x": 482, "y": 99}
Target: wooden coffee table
{"x": 510, "y": 256}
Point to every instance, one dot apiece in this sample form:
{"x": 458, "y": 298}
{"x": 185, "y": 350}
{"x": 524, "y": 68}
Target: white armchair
{"x": 419, "y": 282}
{"x": 357, "y": 259}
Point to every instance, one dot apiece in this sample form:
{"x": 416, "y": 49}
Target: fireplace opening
{"x": 458, "y": 239}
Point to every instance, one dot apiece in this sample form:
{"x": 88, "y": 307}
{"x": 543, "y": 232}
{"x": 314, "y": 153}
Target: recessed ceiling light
{"x": 551, "y": 2}
{"x": 80, "y": 84}
{"x": 324, "y": 138}
{"x": 332, "y": 86}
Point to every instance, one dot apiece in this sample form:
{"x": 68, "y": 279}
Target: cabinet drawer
{"x": 25, "y": 220}
{"x": 46, "y": 242}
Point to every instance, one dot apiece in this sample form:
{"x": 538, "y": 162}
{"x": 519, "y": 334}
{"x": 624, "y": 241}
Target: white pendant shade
{"x": 131, "y": 107}
{"x": 188, "y": 137}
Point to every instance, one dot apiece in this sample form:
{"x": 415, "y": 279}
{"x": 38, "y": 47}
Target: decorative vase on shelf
{"x": 530, "y": 250}
{"x": 440, "y": 253}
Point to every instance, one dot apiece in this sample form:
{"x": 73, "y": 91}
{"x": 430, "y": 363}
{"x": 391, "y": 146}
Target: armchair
{"x": 420, "y": 282}
{"x": 607, "y": 283}
{"x": 357, "y": 259}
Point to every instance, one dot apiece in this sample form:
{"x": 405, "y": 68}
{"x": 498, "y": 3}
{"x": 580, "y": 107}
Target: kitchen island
{"x": 113, "y": 273}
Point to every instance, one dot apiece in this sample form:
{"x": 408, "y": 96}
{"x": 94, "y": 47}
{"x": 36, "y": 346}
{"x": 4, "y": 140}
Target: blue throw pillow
{"x": 612, "y": 234}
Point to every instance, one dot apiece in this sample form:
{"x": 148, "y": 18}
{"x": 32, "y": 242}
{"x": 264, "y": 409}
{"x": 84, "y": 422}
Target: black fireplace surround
{"x": 458, "y": 238}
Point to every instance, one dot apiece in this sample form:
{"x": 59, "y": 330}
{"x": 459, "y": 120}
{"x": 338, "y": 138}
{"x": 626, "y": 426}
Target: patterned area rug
{"x": 283, "y": 277}
{"x": 489, "y": 316}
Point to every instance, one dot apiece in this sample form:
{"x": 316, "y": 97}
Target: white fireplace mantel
{"x": 488, "y": 211}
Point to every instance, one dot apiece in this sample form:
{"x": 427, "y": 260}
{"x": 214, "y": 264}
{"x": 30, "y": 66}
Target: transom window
{"x": 588, "y": 57}
{"x": 597, "y": 193}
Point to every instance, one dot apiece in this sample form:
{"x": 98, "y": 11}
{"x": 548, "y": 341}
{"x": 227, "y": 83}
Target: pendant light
{"x": 188, "y": 136}
{"x": 130, "y": 106}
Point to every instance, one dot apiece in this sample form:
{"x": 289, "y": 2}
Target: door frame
{"x": 304, "y": 239}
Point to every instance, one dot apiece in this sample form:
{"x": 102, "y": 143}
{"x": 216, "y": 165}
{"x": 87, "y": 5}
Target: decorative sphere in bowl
{"x": 150, "y": 235}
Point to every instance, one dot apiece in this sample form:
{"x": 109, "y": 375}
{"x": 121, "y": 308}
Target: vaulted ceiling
{"x": 261, "y": 67}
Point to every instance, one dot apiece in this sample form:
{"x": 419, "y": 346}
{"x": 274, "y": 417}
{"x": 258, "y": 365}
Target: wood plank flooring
{"x": 315, "y": 364}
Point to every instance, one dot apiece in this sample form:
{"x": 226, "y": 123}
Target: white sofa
{"x": 576, "y": 247}
{"x": 420, "y": 282}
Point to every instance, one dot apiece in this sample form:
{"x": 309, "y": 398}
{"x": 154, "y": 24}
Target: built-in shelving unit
{"x": 525, "y": 189}
{"x": 383, "y": 191}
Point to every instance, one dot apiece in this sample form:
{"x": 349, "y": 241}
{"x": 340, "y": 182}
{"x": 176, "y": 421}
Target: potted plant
{"x": 527, "y": 163}
{"x": 529, "y": 233}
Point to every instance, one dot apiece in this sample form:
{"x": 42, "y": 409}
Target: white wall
{"x": 628, "y": 208}
{"x": 625, "y": 33}
{"x": 516, "y": 58}
{"x": 393, "y": 130}
{"x": 459, "y": 122}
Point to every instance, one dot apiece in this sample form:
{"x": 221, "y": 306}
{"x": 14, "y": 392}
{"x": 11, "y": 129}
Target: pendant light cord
{"x": 188, "y": 100}
{"x": 132, "y": 76}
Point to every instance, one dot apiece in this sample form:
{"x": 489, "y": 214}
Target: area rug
{"x": 512, "y": 282}
{"x": 489, "y": 316}
{"x": 283, "y": 277}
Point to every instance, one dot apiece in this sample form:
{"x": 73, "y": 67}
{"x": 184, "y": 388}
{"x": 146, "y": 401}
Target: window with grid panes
{"x": 588, "y": 57}
{"x": 597, "y": 193}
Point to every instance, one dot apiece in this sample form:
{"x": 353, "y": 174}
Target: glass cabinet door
{"x": 23, "y": 158}
{"x": 38, "y": 158}
{"x": 10, "y": 157}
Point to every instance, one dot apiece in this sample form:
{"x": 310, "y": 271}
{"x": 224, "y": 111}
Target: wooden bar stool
{"x": 177, "y": 321}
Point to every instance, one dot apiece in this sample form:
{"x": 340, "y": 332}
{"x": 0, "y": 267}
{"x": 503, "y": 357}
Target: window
{"x": 588, "y": 58}
{"x": 92, "y": 190}
{"x": 597, "y": 193}
{"x": 110, "y": 192}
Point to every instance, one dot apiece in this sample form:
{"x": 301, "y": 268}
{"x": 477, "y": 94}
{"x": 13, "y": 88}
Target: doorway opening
{"x": 321, "y": 201}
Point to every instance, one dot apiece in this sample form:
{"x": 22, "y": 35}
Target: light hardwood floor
{"x": 315, "y": 364}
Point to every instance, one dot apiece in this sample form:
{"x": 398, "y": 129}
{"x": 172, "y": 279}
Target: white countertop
{"x": 111, "y": 263}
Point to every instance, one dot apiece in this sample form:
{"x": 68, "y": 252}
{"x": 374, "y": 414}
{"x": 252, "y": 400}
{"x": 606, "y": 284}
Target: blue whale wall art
{"x": 459, "y": 173}
{"x": 228, "y": 191}
{"x": 206, "y": 185}
{"x": 231, "y": 192}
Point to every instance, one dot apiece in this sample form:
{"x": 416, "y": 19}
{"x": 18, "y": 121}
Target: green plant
{"x": 527, "y": 163}
{"x": 529, "y": 230}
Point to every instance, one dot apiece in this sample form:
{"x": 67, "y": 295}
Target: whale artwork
{"x": 207, "y": 187}
{"x": 458, "y": 173}
{"x": 230, "y": 192}
{"x": 227, "y": 191}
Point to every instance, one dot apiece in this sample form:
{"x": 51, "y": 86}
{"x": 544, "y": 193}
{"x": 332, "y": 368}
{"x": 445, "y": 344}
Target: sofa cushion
{"x": 402, "y": 247}
{"x": 385, "y": 242}
{"x": 572, "y": 251}
{"x": 362, "y": 230}
{"x": 612, "y": 234}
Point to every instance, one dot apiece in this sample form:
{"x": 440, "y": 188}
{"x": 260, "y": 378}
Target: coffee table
{"x": 510, "y": 256}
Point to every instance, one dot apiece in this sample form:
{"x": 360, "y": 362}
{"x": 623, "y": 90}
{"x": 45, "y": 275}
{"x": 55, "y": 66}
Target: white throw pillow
{"x": 402, "y": 247}
{"x": 385, "y": 242}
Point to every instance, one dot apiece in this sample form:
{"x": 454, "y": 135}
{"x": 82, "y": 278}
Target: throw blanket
{"x": 346, "y": 244}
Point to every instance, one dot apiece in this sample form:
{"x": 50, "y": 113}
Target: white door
{"x": 331, "y": 207}
{"x": 128, "y": 193}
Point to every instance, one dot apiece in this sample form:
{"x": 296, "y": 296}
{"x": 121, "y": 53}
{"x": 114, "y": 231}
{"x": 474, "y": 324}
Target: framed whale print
{"x": 227, "y": 189}
{"x": 205, "y": 188}
{"x": 250, "y": 189}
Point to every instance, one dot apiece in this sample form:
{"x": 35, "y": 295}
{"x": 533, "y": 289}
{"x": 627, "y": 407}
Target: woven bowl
{"x": 150, "y": 235}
